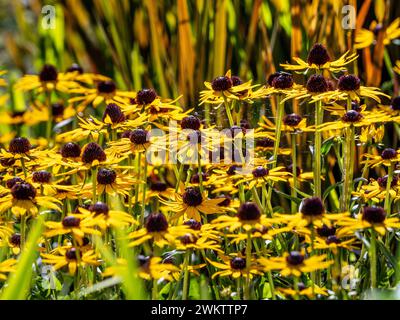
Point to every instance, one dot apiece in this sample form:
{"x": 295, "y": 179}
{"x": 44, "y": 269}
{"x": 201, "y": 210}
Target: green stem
{"x": 248, "y": 265}
{"x": 389, "y": 180}
{"x": 228, "y": 112}
{"x": 372, "y": 253}
{"x": 317, "y": 149}
{"x": 94, "y": 184}
{"x": 278, "y": 129}
{"x": 294, "y": 172}
{"x": 186, "y": 275}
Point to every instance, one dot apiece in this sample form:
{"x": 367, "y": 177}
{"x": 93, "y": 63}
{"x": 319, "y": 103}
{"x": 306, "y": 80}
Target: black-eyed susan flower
{"x": 191, "y": 203}
{"x": 387, "y": 158}
{"x": 371, "y": 218}
{"x": 71, "y": 257}
{"x": 302, "y": 290}
{"x": 294, "y": 263}
{"x": 77, "y": 225}
{"x": 367, "y": 37}
{"x": 235, "y": 267}
{"x": 319, "y": 59}
{"x": 158, "y": 229}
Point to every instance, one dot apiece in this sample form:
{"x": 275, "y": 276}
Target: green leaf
{"x": 330, "y": 188}
{"x": 326, "y": 146}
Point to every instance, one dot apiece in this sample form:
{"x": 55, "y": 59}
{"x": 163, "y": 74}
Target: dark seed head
{"x": 7, "y": 162}
{"x": 245, "y": 124}
{"x": 283, "y": 81}
{"x": 292, "y": 120}
{"x": 15, "y": 239}
{"x": 71, "y": 221}
{"x": 374, "y": 214}
{"x": 193, "y": 224}
{"x": 20, "y": 145}
{"x": 318, "y": 55}
{"x": 191, "y": 122}
{"x": 249, "y": 211}
{"x": 222, "y": 83}
{"x": 57, "y": 109}
{"x": 93, "y": 152}
{"x": 114, "y": 112}
{"x": 158, "y": 186}
{"x": 143, "y": 261}
{"x": 332, "y": 239}
{"x": 72, "y": 254}
{"x": 106, "y": 87}
{"x": 238, "y": 263}
{"x": 106, "y": 176}
{"x": 312, "y": 206}
{"x": 236, "y": 81}
{"x": 388, "y": 154}
{"x": 48, "y": 73}
{"x": 23, "y": 191}
{"x": 75, "y": 68}
{"x": 260, "y": 172}
{"x": 71, "y": 150}
{"x": 196, "y": 178}
{"x": 235, "y": 130}
{"x": 317, "y": 84}
{"x": 301, "y": 286}
{"x": 295, "y": 258}
{"x": 352, "y": 116}
{"x": 325, "y": 231}
{"x": 41, "y": 176}
{"x": 139, "y": 136}
{"x": 382, "y": 181}
{"x": 272, "y": 77}
{"x": 146, "y": 96}
{"x": 232, "y": 170}
{"x": 156, "y": 222}
{"x": 226, "y": 202}
{"x": 99, "y": 208}
{"x": 377, "y": 29}
{"x": 395, "y": 104}
{"x": 265, "y": 143}
{"x": 13, "y": 181}
{"x": 192, "y": 196}
{"x": 349, "y": 82}
{"x": 188, "y": 239}
{"x": 355, "y": 106}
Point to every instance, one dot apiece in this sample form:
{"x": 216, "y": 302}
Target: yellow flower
{"x": 234, "y": 266}
{"x": 365, "y": 38}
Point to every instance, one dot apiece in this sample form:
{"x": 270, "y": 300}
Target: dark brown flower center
{"x": 352, "y": 116}
{"x": 75, "y": 68}
{"x": 326, "y": 231}
{"x": 349, "y": 82}
{"x": 57, "y": 109}
{"x": 188, "y": 239}
{"x": 295, "y": 258}
{"x": 106, "y": 87}
{"x": 332, "y": 239}
{"x": 156, "y": 222}
{"x": 71, "y": 221}
{"x": 374, "y": 214}
{"x": 221, "y": 83}
{"x": 292, "y": 119}
{"x": 19, "y": 145}
{"x": 260, "y": 172}
{"x": 41, "y": 176}
{"x": 193, "y": 224}
{"x": 72, "y": 254}
{"x": 196, "y": 177}
{"x": 114, "y": 112}
{"x": 93, "y": 152}
{"x": 317, "y": 84}
{"x": 232, "y": 170}
{"x": 191, "y": 122}
{"x": 249, "y": 211}
{"x": 13, "y": 181}
{"x": 238, "y": 263}
{"x": 106, "y": 176}
{"x": 318, "y": 55}
{"x": 48, "y": 73}
{"x": 388, "y": 154}
{"x": 192, "y": 196}
{"x": 71, "y": 150}
{"x": 158, "y": 186}
{"x": 283, "y": 81}
{"x": 7, "y": 162}
{"x": 15, "y": 239}
{"x": 146, "y": 96}
{"x": 312, "y": 207}
{"x": 23, "y": 191}
{"x": 265, "y": 143}
{"x": 139, "y": 136}
{"x": 99, "y": 208}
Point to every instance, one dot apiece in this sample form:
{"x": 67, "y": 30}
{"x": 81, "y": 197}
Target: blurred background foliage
{"x": 174, "y": 45}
